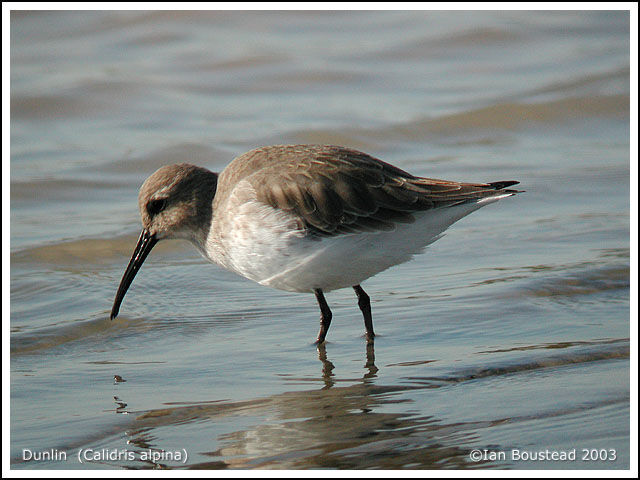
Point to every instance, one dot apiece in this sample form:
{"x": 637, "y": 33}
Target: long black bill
{"x": 144, "y": 246}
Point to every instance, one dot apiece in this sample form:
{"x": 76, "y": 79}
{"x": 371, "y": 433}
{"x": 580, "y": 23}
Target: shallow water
{"x": 509, "y": 334}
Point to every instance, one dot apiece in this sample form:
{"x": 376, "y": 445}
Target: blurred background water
{"x": 511, "y": 332}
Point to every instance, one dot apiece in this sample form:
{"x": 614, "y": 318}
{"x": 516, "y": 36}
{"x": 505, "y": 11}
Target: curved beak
{"x": 145, "y": 243}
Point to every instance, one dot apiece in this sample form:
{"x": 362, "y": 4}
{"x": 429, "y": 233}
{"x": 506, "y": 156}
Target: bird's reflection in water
{"x": 371, "y": 362}
{"x": 328, "y": 366}
{"x": 339, "y": 422}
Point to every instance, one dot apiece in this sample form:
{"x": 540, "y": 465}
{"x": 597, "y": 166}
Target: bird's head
{"x": 175, "y": 202}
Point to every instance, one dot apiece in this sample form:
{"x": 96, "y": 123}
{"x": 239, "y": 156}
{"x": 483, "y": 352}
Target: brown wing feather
{"x": 336, "y": 190}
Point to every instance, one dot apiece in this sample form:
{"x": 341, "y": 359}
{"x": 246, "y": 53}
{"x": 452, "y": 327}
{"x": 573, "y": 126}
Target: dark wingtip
{"x": 503, "y": 184}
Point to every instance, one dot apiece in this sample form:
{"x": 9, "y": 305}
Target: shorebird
{"x": 303, "y": 218}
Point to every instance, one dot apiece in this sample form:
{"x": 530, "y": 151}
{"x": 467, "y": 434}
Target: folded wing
{"x": 336, "y": 191}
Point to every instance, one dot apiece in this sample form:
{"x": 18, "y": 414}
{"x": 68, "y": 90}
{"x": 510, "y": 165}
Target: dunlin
{"x": 303, "y": 218}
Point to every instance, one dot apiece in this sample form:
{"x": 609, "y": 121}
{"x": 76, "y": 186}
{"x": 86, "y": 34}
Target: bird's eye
{"x": 156, "y": 206}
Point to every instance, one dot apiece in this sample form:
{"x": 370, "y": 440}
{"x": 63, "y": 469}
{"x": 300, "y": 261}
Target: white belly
{"x": 264, "y": 244}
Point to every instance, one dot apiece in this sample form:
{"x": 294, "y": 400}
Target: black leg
{"x": 325, "y": 316}
{"x": 365, "y": 307}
